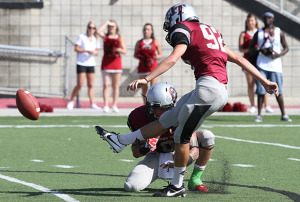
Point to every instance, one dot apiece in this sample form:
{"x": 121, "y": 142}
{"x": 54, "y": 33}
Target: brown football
{"x": 27, "y": 104}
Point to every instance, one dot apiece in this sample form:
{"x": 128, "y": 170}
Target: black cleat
{"x": 171, "y": 191}
{"x": 111, "y": 138}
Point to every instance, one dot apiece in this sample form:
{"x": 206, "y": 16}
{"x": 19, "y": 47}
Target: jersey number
{"x": 208, "y": 33}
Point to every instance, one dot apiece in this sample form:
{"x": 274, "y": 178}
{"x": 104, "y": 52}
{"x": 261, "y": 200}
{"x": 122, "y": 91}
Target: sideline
{"x": 258, "y": 142}
{"x": 65, "y": 197}
{"x": 125, "y": 126}
{"x": 204, "y": 126}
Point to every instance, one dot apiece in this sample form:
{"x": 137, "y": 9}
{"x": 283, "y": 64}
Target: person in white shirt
{"x": 269, "y": 40}
{"x": 87, "y": 47}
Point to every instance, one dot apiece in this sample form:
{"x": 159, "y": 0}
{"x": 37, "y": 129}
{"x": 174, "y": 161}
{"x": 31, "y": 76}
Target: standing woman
{"x": 148, "y": 51}
{"x": 87, "y": 47}
{"x": 251, "y": 27}
{"x": 114, "y": 46}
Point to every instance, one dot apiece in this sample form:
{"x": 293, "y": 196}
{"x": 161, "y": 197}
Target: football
{"x": 27, "y": 104}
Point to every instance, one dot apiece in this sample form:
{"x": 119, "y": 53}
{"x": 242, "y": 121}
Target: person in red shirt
{"x": 202, "y": 47}
{"x": 148, "y": 51}
{"x": 114, "y": 45}
{"x": 251, "y": 27}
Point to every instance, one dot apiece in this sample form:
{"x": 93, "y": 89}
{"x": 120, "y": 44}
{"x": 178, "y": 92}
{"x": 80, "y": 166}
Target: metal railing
{"x": 13, "y": 53}
{"x": 279, "y": 7}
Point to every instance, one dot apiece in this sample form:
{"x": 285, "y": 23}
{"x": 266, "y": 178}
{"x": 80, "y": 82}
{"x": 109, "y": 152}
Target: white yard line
{"x": 125, "y": 126}
{"x": 293, "y": 159}
{"x": 59, "y": 126}
{"x": 204, "y": 126}
{"x": 258, "y": 142}
{"x": 252, "y": 126}
{"x": 64, "y": 197}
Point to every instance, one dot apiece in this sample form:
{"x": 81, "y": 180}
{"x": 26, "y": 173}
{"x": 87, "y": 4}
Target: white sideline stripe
{"x": 63, "y": 166}
{"x": 60, "y": 126}
{"x": 37, "y": 160}
{"x": 258, "y": 142}
{"x": 205, "y": 126}
{"x": 243, "y": 165}
{"x": 126, "y": 160}
{"x": 253, "y": 126}
{"x": 293, "y": 159}
{"x": 125, "y": 126}
{"x": 40, "y": 188}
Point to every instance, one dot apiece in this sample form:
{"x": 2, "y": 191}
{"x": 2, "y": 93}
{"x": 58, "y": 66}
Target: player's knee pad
{"x": 207, "y": 138}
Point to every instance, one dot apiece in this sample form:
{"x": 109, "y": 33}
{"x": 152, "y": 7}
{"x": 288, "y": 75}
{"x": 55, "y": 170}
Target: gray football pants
{"x": 193, "y": 108}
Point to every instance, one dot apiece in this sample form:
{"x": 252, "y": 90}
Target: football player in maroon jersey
{"x": 202, "y": 47}
{"x": 158, "y": 152}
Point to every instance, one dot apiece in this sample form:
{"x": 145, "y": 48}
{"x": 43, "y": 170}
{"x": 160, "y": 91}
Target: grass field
{"x": 62, "y": 158}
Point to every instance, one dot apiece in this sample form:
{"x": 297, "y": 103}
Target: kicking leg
{"x": 118, "y": 142}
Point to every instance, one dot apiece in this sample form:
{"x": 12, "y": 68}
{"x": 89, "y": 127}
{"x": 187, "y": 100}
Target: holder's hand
{"x": 133, "y": 86}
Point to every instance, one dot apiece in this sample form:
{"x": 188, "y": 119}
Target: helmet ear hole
{"x": 161, "y": 95}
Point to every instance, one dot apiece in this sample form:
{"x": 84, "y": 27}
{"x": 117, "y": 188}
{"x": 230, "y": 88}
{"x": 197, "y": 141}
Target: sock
{"x": 177, "y": 179}
{"x": 131, "y": 137}
{"x": 195, "y": 178}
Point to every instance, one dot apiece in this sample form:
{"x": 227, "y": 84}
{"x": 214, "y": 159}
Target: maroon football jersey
{"x": 138, "y": 118}
{"x": 205, "y": 53}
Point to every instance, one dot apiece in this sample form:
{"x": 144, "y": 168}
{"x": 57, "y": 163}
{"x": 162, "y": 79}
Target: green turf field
{"x": 62, "y": 158}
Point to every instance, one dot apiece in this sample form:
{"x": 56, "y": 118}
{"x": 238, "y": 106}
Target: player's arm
{"x": 270, "y": 87}
{"x": 138, "y": 148}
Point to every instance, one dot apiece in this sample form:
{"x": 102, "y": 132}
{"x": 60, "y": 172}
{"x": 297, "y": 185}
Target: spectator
{"x": 114, "y": 46}
{"x": 251, "y": 26}
{"x": 87, "y": 46}
{"x": 269, "y": 40}
{"x": 145, "y": 51}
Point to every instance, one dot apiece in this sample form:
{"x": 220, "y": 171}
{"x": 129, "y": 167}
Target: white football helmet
{"x": 161, "y": 95}
{"x": 178, "y": 13}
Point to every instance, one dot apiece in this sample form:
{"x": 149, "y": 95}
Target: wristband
{"x": 146, "y": 79}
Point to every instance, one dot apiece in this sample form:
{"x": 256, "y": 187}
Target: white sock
{"x": 177, "y": 179}
{"x": 199, "y": 167}
{"x": 131, "y": 137}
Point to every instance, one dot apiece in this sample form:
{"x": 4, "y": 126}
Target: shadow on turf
{"x": 219, "y": 188}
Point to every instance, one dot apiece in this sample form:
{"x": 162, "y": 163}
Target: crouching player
{"x": 158, "y": 152}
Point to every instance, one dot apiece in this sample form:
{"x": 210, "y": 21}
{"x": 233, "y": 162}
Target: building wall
{"x": 46, "y": 28}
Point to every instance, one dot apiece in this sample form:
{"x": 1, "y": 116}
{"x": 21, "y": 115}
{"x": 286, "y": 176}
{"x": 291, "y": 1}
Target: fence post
{"x": 66, "y": 56}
